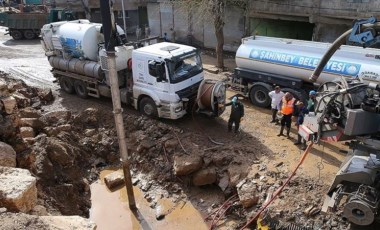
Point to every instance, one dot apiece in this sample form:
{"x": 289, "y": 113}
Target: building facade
{"x": 318, "y": 20}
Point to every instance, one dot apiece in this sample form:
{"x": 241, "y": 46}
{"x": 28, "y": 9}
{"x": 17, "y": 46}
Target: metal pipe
{"x": 326, "y": 57}
{"x": 109, "y": 31}
{"x": 125, "y": 25}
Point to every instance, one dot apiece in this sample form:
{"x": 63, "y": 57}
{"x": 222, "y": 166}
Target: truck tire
{"x": 66, "y": 84}
{"x": 16, "y": 35}
{"x": 29, "y": 34}
{"x": 81, "y": 88}
{"x": 299, "y": 95}
{"x": 259, "y": 96}
{"x": 148, "y": 107}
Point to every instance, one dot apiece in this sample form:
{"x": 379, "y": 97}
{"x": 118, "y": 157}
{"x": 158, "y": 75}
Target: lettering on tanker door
{"x": 305, "y": 62}
{"x": 140, "y": 71}
{"x": 369, "y": 76}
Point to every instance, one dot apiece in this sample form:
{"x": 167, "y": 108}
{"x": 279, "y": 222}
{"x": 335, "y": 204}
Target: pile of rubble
{"x": 48, "y": 159}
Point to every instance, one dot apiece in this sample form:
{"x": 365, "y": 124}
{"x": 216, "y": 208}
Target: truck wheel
{"x": 81, "y": 88}
{"x": 16, "y": 35}
{"x": 29, "y": 35}
{"x": 66, "y": 84}
{"x": 259, "y": 96}
{"x": 148, "y": 107}
{"x": 299, "y": 95}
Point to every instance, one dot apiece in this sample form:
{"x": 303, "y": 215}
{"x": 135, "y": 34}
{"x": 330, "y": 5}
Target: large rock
{"x": 10, "y": 104}
{"x": 3, "y": 88}
{"x": 21, "y": 100}
{"x": 25, "y": 221}
{"x": 29, "y": 112}
{"x": 7, "y": 155}
{"x": 68, "y": 222}
{"x": 34, "y": 123}
{"x": 236, "y": 174}
{"x": 27, "y": 132}
{"x": 184, "y": 165}
{"x": 247, "y": 192}
{"x": 204, "y": 177}
{"x": 45, "y": 95}
{"x": 18, "y": 189}
{"x": 114, "y": 179}
{"x": 89, "y": 117}
{"x": 56, "y": 117}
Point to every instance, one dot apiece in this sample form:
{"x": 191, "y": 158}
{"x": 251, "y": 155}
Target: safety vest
{"x": 287, "y": 106}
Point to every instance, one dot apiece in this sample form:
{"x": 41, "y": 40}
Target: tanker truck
{"x": 160, "y": 80}
{"x": 263, "y": 62}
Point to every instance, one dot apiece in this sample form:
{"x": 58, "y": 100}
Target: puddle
{"x": 110, "y": 211}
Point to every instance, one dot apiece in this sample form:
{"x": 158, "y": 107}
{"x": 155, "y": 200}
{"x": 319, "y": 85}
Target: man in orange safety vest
{"x": 287, "y": 109}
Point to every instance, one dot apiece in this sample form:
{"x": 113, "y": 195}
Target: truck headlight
{"x": 178, "y": 109}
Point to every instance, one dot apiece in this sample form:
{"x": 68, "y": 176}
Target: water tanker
{"x": 263, "y": 62}
{"x": 160, "y": 80}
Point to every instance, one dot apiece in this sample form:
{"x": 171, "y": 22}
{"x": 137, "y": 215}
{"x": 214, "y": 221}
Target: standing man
{"x": 302, "y": 110}
{"x": 312, "y": 100}
{"x": 276, "y": 96}
{"x": 287, "y": 109}
{"x": 236, "y": 115}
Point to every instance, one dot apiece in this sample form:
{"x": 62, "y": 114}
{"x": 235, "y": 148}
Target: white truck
{"x": 264, "y": 61}
{"x": 161, "y": 80}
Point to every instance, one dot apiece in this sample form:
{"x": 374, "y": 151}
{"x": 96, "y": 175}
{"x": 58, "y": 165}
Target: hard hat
{"x": 234, "y": 99}
{"x": 312, "y": 92}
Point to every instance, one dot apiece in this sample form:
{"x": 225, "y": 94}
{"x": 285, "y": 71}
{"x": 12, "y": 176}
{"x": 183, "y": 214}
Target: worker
{"x": 236, "y": 115}
{"x": 312, "y": 100}
{"x": 147, "y": 31}
{"x": 287, "y": 109}
{"x": 138, "y": 33}
{"x": 276, "y": 96}
{"x": 302, "y": 110}
{"x": 166, "y": 39}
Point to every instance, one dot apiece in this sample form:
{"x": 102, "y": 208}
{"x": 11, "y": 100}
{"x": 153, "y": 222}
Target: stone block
{"x": 18, "y": 189}
{"x": 10, "y": 104}
{"x": 26, "y": 132}
{"x": 184, "y": 165}
{"x": 7, "y": 155}
{"x": 204, "y": 177}
{"x": 114, "y": 179}
{"x": 247, "y": 192}
{"x": 34, "y": 123}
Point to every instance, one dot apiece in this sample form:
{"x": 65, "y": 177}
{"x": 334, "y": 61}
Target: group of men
{"x": 286, "y": 106}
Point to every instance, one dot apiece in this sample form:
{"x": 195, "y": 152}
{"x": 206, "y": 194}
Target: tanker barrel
{"x": 329, "y": 53}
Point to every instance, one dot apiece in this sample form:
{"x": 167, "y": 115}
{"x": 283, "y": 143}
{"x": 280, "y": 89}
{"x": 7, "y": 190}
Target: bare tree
{"x": 215, "y": 10}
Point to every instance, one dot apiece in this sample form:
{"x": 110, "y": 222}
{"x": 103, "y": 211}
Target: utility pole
{"x": 124, "y": 23}
{"x": 109, "y": 32}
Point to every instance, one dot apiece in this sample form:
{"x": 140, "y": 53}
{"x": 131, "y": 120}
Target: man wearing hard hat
{"x": 237, "y": 114}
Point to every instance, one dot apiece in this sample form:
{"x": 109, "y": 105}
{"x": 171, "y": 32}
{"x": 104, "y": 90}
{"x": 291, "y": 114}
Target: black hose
{"x": 326, "y": 57}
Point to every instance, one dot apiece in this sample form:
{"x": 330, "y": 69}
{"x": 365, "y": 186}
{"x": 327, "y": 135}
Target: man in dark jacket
{"x": 237, "y": 113}
{"x": 302, "y": 111}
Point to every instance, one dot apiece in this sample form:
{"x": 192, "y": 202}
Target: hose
{"x": 326, "y": 57}
{"x": 279, "y": 190}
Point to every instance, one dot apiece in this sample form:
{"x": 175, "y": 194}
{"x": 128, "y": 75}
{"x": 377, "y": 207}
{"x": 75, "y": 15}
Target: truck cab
{"x": 166, "y": 78}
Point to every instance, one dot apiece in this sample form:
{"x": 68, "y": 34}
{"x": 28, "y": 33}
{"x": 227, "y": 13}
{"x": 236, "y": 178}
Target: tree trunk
{"x": 219, "y": 47}
{"x": 218, "y": 13}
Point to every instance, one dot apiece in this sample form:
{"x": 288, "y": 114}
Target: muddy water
{"x": 110, "y": 211}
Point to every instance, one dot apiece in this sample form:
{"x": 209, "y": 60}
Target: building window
{"x": 120, "y": 14}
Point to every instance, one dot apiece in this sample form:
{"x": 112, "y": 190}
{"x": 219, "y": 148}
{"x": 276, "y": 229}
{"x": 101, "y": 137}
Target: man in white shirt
{"x": 276, "y": 96}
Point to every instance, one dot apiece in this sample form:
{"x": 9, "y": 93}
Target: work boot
{"x": 272, "y": 121}
{"x": 303, "y": 147}
{"x": 298, "y": 142}
{"x": 281, "y": 131}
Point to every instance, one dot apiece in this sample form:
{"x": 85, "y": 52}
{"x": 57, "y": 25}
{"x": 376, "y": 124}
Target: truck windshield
{"x": 185, "y": 67}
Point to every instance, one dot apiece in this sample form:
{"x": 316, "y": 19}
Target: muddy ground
{"x": 255, "y": 154}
